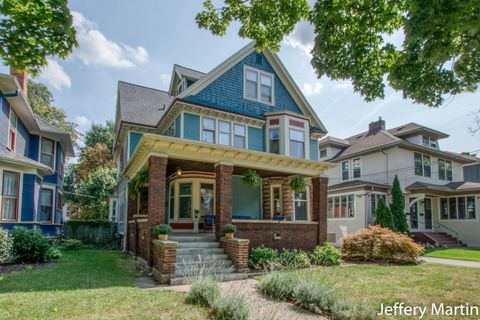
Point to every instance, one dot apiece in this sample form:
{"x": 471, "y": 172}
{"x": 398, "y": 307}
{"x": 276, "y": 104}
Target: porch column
{"x": 132, "y": 224}
{"x": 157, "y": 176}
{"x": 223, "y": 196}
{"x": 319, "y": 206}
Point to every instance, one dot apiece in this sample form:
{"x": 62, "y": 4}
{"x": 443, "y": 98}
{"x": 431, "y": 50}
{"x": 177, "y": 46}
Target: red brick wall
{"x": 293, "y": 235}
{"x": 132, "y": 237}
{"x": 237, "y": 251}
{"x": 132, "y": 206}
{"x": 319, "y": 207}
{"x": 223, "y": 197}
{"x": 164, "y": 256}
{"x": 142, "y": 245}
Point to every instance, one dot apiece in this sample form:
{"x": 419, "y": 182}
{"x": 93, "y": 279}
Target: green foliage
{"x": 397, "y": 207}
{"x": 30, "y": 31}
{"x": 229, "y": 308}
{"x": 72, "y": 244}
{"x": 100, "y": 134}
{"x": 439, "y": 55}
{"x": 344, "y": 309}
{"x": 98, "y": 233}
{"x": 298, "y": 184}
{"x": 204, "y": 291}
{"x": 96, "y": 189}
{"x": 262, "y": 258}
{"x": 326, "y": 255}
{"x": 53, "y": 254}
{"x": 136, "y": 185}
{"x": 162, "y": 229}
{"x": 5, "y": 245}
{"x": 293, "y": 260}
{"x": 383, "y": 215}
{"x": 29, "y": 246}
{"x": 229, "y": 228}
{"x": 381, "y": 245}
{"x": 41, "y": 101}
{"x": 251, "y": 178}
{"x": 313, "y": 296}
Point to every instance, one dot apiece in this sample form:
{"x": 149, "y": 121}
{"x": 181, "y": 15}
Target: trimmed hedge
{"x": 99, "y": 233}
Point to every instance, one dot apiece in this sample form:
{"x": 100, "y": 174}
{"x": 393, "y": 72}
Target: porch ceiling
{"x": 194, "y": 151}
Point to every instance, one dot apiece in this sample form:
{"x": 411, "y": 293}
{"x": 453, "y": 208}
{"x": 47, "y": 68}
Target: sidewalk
{"x": 460, "y": 263}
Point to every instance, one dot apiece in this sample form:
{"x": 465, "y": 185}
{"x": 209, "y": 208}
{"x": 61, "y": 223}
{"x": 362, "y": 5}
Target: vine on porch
{"x": 138, "y": 183}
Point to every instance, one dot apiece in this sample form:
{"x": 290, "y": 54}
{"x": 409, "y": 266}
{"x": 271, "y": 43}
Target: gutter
{"x": 9, "y": 95}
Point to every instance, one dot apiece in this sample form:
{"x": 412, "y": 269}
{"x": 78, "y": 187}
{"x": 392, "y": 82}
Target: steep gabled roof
{"x": 365, "y": 141}
{"x": 187, "y": 72}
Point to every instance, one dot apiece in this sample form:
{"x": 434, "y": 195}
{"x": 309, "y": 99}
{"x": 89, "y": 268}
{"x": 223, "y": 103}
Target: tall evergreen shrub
{"x": 397, "y": 207}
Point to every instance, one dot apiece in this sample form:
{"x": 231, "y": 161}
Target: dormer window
{"x": 12, "y": 131}
{"x": 429, "y": 142}
{"x": 258, "y": 85}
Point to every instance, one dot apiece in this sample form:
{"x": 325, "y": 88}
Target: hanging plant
{"x": 251, "y": 178}
{"x": 298, "y": 184}
{"x": 138, "y": 183}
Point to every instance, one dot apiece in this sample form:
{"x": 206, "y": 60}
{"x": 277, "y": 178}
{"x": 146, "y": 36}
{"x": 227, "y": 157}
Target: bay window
{"x": 239, "y": 136}
{"x": 458, "y": 208}
{"x": 274, "y": 140}
{"x": 185, "y": 201}
{"x": 47, "y": 152}
{"x": 46, "y": 205}
{"x": 208, "y": 130}
{"x": 297, "y": 143}
{"x": 12, "y": 130}
{"x": 258, "y": 85}
{"x": 10, "y": 194}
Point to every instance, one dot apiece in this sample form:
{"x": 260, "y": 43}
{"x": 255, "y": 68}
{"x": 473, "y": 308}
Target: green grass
{"x": 88, "y": 284}
{"x": 457, "y": 254}
{"x": 419, "y": 285}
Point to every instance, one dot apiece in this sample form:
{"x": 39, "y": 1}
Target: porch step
{"x": 203, "y": 244}
{"x": 210, "y": 264}
{"x": 177, "y": 281}
{"x": 195, "y": 238}
{"x": 198, "y": 251}
{"x": 442, "y": 239}
{"x": 201, "y": 257}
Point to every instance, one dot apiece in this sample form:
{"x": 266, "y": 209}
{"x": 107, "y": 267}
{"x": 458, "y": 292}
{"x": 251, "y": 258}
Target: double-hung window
{"x": 46, "y": 205}
{"x": 258, "y": 85}
{"x": 297, "y": 143}
{"x": 276, "y": 201}
{"x": 224, "y": 132}
{"x": 274, "y": 140}
{"x": 10, "y": 193}
{"x": 357, "y": 168}
{"x": 345, "y": 170}
{"x": 445, "y": 170}
{"x": 47, "y": 152}
{"x": 12, "y": 130}
{"x": 185, "y": 201}
{"x": 301, "y": 206}
{"x": 239, "y": 136}
{"x": 423, "y": 165}
{"x": 61, "y": 165}
{"x": 208, "y": 130}
{"x": 339, "y": 207}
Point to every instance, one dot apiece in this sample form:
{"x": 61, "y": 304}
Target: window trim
{"x": 230, "y": 126}
{"x": 275, "y": 127}
{"x": 17, "y": 199}
{"x": 307, "y": 201}
{"x": 215, "y": 131}
{"x": 259, "y": 74}
{"x": 52, "y": 203}
{"x": 445, "y": 171}
{"x": 348, "y": 170}
{"x": 457, "y": 219}
{"x": 290, "y": 129}
{"x": 423, "y": 156}
{"x": 11, "y": 131}
{"x": 272, "y": 206}
{"x": 359, "y": 166}
{"x": 196, "y": 183}
{"x": 320, "y": 153}
{"x": 54, "y": 160}
{"x": 340, "y": 195}
{"x": 234, "y": 135}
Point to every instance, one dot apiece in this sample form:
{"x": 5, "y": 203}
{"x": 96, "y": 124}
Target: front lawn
{"x": 456, "y": 254}
{"x": 88, "y": 284}
{"x": 419, "y": 285}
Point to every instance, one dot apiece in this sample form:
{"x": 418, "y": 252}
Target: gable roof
{"x": 415, "y": 128}
{"x": 460, "y": 186}
{"x": 333, "y": 141}
{"x": 188, "y": 72}
{"x": 276, "y": 64}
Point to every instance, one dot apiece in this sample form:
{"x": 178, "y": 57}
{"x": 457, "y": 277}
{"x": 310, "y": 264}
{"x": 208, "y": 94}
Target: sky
{"x": 139, "y": 41}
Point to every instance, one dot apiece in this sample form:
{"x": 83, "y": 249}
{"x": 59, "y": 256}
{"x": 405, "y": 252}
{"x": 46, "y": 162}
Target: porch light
{"x": 179, "y": 171}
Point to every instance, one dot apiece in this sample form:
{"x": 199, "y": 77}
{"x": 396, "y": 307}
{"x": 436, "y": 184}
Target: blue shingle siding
{"x": 4, "y": 123}
{"x": 50, "y": 230}
{"x": 134, "y": 140}
{"x": 226, "y": 92}
{"x": 178, "y": 126}
{"x": 245, "y": 201}
{"x": 34, "y": 147}
{"x": 28, "y": 197}
{"x": 191, "y": 126}
{"x": 313, "y": 149}
{"x": 23, "y": 139}
{"x": 256, "y": 139}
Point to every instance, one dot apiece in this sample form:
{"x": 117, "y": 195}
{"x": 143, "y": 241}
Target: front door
{"x": 427, "y": 206}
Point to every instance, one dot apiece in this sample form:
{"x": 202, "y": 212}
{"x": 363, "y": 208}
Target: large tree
{"x": 41, "y": 101}
{"x": 30, "y": 31}
{"x": 92, "y": 158}
{"x": 102, "y": 134}
{"x": 440, "y": 54}
{"x": 94, "y": 191}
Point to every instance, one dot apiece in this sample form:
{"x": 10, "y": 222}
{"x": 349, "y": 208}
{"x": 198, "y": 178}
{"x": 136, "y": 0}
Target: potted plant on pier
{"x": 229, "y": 230}
{"x": 162, "y": 230}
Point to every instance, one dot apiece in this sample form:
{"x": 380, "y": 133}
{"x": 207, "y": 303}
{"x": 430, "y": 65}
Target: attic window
{"x": 258, "y": 85}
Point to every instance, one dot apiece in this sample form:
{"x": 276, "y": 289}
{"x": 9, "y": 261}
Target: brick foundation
{"x": 238, "y": 252}
{"x": 164, "y": 256}
{"x": 223, "y": 197}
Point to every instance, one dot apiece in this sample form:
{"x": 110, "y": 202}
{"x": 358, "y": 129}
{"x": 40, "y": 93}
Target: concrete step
{"x": 198, "y": 251}
{"x": 194, "y": 270}
{"x": 201, "y": 257}
{"x": 176, "y": 281}
{"x": 190, "y": 238}
{"x": 207, "y": 263}
{"x": 198, "y": 245}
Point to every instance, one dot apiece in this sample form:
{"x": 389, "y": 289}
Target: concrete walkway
{"x": 460, "y": 263}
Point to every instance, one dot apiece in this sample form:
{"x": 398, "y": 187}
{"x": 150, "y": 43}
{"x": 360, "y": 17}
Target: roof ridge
{"x": 143, "y": 86}
{"x": 179, "y": 65}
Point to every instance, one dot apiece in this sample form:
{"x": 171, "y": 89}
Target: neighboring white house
{"x": 437, "y": 199}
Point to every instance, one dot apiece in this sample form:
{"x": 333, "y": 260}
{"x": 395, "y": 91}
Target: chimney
{"x": 22, "y": 78}
{"x": 376, "y": 126}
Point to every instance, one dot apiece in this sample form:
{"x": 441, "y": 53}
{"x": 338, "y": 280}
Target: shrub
{"x": 293, "y": 259}
{"x": 278, "y": 285}
{"x": 381, "y": 245}
{"x": 162, "y": 229}
{"x": 53, "y": 253}
{"x": 204, "y": 292}
{"x": 29, "y": 246}
{"x": 263, "y": 257}
{"x": 313, "y": 296}
{"x": 5, "y": 245}
{"x": 72, "y": 244}
{"x": 327, "y": 255}
{"x": 229, "y": 228}
{"x": 229, "y": 308}
{"x": 343, "y": 309}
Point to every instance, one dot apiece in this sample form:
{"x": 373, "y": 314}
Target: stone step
{"x": 198, "y": 251}
{"x": 204, "y": 263}
{"x": 194, "y": 270}
{"x": 176, "y": 281}
{"x": 198, "y": 245}
{"x": 201, "y": 257}
{"x": 189, "y": 238}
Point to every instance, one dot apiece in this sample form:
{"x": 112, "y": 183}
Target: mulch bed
{"x": 10, "y": 267}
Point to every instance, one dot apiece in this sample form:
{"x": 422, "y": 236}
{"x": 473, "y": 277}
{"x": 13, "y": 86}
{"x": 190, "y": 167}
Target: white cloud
{"x": 302, "y": 38}
{"x": 95, "y": 49}
{"x": 83, "y": 123}
{"x": 343, "y": 85}
{"x": 311, "y": 89}
{"x": 165, "y": 78}
{"x": 55, "y": 76}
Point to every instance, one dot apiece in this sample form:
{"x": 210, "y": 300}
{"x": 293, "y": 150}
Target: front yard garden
{"x": 455, "y": 253}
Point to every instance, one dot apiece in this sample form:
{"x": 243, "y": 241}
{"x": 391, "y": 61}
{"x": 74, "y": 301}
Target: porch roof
{"x": 175, "y": 148}
{"x": 452, "y": 187}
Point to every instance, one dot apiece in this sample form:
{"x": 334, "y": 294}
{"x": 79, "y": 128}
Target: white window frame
{"x": 54, "y": 199}
{"x": 272, "y": 203}
{"x": 307, "y": 200}
{"x": 339, "y": 196}
{"x": 15, "y": 132}
{"x": 457, "y": 219}
{"x": 215, "y": 131}
{"x": 423, "y": 155}
{"x": 359, "y": 166}
{"x": 445, "y": 161}
{"x": 234, "y": 135}
{"x": 290, "y": 129}
{"x": 54, "y": 161}
{"x": 348, "y": 169}
{"x": 259, "y": 74}
{"x": 230, "y": 140}
{"x": 429, "y": 142}
{"x": 320, "y": 153}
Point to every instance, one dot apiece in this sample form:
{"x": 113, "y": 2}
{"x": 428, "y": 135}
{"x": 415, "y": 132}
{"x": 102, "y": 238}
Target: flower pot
{"x": 163, "y": 237}
{"x": 229, "y": 235}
